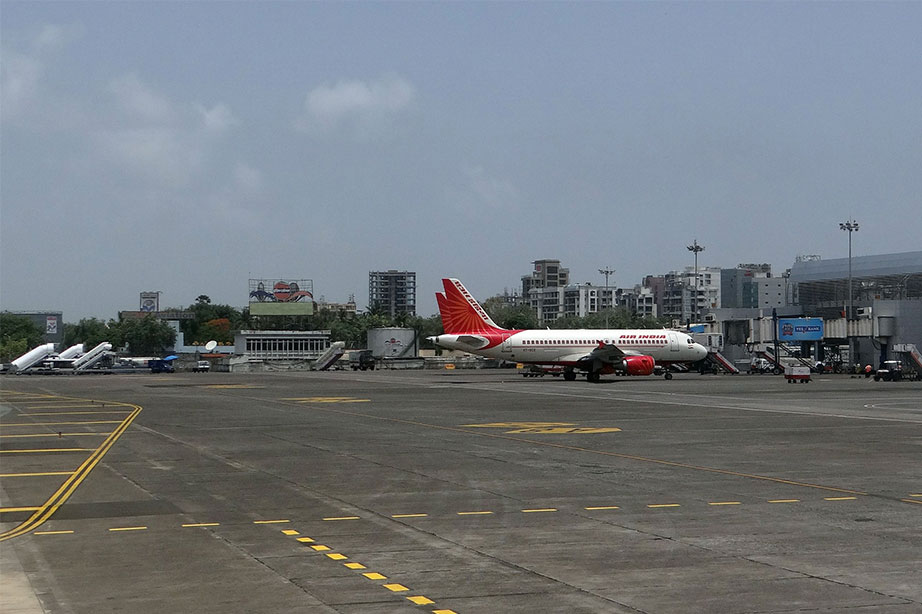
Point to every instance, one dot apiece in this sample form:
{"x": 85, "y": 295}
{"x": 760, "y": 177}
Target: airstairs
{"x": 92, "y": 357}
{"x": 722, "y": 362}
{"x": 913, "y": 353}
{"x": 33, "y": 357}
{"x": 329, "y": 358}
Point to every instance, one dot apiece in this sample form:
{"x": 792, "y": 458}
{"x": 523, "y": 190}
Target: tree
{"x": 91, "y": 332}
{"x": 18, "y": 334}
{"x": 147, "y": 336}
{"x": 195, "y": 330}
{"x": 510, "y": 316}
{"x": 218, "y": 330}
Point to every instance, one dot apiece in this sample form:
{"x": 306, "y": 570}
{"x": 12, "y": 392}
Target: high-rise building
{"x": 392, "y": 292}
{"x": 684, "y": 299}
{"x": 547, "y": 274}
{"x": 739, "y": 287}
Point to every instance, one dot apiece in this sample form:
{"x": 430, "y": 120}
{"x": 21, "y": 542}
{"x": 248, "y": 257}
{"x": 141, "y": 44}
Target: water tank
{"x": 392, "y": 342}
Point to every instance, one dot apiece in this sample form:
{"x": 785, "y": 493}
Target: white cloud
{"x": 329, "y": 106}
{"x": 247, "y": 178}
{"x": 138, "y": 99}
{"x": 19, "y": 79}
{"x": 163, "y": 155}
{"x": 55, "y": 36}
{"x": 492, "y": 192}
{"x": 218, "y": 118}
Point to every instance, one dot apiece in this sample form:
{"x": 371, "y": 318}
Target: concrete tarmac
{"x": 459, "y": 491}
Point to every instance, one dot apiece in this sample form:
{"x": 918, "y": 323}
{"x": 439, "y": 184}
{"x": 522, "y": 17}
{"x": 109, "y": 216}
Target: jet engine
{"x": 638, "y": 365}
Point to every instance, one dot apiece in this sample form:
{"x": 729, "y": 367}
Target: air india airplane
{"x": 597, "y": 352}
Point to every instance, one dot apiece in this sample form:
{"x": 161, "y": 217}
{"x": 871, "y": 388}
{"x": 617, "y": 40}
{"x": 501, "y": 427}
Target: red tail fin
{"x": 461, "y": 313}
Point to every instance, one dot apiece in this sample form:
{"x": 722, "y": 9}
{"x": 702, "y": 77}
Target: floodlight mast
{"x": 606, "y": 272}
{"x": 849, "y": 226}
{"x": 694, "y": 247}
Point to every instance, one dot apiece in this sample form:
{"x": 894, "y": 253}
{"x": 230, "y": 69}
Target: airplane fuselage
{"x": 566, "y": 347}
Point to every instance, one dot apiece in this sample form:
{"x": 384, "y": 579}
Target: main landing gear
{"x": 569, "y": 375}
{"x": 667, "y": 375}
{"x": 593, "y": 377}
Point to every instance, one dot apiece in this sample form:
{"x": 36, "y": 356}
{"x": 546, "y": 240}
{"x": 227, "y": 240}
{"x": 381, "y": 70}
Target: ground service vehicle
{"x": 890, "y": 371}
{"x": 202, "y": 366}
{"x": 160, "y": 366}
{"x": 362, "y": 360}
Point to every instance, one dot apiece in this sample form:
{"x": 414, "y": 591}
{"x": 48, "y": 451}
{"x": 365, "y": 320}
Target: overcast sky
{"x": 186, "y": 147}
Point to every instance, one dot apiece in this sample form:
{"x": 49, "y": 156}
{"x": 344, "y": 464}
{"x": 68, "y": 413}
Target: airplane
{"x": 598, "y": 352}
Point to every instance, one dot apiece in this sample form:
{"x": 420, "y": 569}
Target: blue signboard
{"x": 800, "y": 329}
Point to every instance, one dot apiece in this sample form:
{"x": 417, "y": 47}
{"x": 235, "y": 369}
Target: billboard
{"x": 800, "y": 329}
{"x": 281, "y": 297}
{"x": 150, "y": 301}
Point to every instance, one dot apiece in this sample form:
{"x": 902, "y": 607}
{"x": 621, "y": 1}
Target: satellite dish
{"x": 211, "y": 345}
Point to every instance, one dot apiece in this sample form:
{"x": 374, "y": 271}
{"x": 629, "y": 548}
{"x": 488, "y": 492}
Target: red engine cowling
{"x": 639, "y": 365}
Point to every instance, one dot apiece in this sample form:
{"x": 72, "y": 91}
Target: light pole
{"x": 694, "y": 247}
{"x": 606, "y": 272}
{"x": 850, "y": 226}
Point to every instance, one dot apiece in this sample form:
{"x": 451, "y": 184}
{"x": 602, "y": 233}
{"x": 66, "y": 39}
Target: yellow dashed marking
{"x": 784, "y": 500}
{"x": 320, "y": 548}
{"x": 603, "y": 507}
{"x": 116, "y": 529}
{"x": 420, "y": 600}
{"x": 354, "y": 565}
{"x": 840, "y": 498}
{"x": 725, "y": 503}
{"x": 337, "y": 556}
{"x": 911, "y": 501}
{"x": 374, "y": 575}
{"x": 657, "y": 505}
{"x": 473, "y": 513}
{"x": 202, "y": 524}
{"x": 270, "y": 521}
{"x": 396, "y": 588}
{"x": 409, "y": 515}
{"x": 334, "y": 518}
{"x": 915, "y": 495}
{"x": 546, "y": 509}
{"x": 444, "y": 612}
{"x": 305, "y": 540}
{"x": 53, "y": 532}
{"x": 19, "y": 509}
{"x": 290, "y": 532}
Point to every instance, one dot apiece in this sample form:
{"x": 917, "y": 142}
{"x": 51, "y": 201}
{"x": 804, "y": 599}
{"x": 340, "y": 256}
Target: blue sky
{"x": 186, "y": 147}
